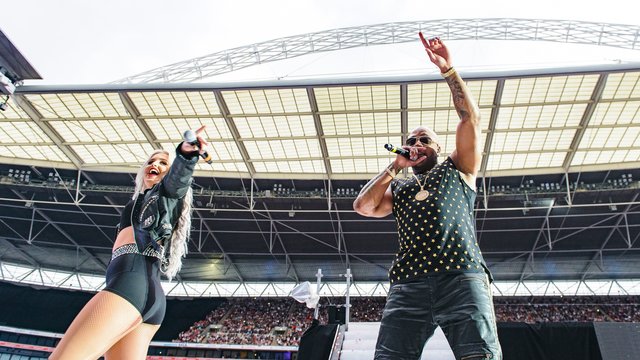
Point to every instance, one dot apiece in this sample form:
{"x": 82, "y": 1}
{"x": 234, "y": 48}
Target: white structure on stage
{"x": 360, "y": 342}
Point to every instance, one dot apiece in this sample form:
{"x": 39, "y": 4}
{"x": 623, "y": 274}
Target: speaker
{"x": 337, "y": 314}
{"x": 316, "y": 343}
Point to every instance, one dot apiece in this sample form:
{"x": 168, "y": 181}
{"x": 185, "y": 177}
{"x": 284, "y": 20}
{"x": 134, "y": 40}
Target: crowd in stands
{"x": 256, "y": 321}
{"x": 567, "y": 309}
{"x": 282, "y": 321}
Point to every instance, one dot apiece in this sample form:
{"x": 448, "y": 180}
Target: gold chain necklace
{"x": 422, "y": 194}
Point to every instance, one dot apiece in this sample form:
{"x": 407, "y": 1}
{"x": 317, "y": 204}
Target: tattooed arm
{"x": 467, "y": 155}
{"x": 375, "y": 199}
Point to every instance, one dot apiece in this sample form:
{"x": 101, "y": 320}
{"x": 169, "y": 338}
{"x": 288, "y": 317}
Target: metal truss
{"x": 92, "y": 283}
{"x": 563, "y": 31}
{"x": 551, "y": 230}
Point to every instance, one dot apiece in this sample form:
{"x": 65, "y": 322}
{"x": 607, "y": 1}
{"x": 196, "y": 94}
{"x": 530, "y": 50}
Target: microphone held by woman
{"x": 191, "y": 138}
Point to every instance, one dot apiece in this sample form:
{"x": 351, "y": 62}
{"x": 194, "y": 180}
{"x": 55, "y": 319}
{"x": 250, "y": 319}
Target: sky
{"x": 99, "y": 41}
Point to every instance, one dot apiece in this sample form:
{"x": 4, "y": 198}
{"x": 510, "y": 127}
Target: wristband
{"x": 391, "y": 171}
{"x": 449, "y": 72}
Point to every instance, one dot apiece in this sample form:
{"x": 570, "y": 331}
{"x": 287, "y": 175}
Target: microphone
{"x": 191, "y": 138}
{"x": 397, "y": 150}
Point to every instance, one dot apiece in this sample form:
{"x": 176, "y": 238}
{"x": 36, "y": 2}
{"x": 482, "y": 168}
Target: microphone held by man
{"x": 397, "y": 150}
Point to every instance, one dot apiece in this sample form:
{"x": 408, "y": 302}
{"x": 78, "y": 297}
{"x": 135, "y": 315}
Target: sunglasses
{"x": 423, "y": 139}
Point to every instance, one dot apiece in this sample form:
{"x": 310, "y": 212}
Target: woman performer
{"x": 120, "y": 320}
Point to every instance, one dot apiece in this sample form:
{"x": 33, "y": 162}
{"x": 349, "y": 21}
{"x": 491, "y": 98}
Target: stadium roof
{"x": 276, "y": 204}
{"x": 568, "y": 121}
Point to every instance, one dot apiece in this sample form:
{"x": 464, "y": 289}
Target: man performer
{"x": 438, "y": 277}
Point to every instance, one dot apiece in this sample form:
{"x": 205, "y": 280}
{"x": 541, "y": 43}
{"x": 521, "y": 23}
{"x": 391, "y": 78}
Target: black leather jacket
{"x": 162, "y": 204}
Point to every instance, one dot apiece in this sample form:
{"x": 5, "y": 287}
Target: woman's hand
{"x": 190, "y": 148}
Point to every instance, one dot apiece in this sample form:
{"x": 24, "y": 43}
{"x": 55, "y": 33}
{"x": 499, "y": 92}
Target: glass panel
{"x": 443, "y": 120}
{"x": 548, "y": 89}
{"x": 175, "y": 103}
{"x": 22, "y": 132}
{"x": 98, "y": 130}
{"x": 283, "y": 149}
{"x": 173, "y": 129}
{"x": 528, "y": 160}
{"x": 43, "y": 152}
{"x": 13, "y": 111}
{"x": 78, "y": 105}
{"x": 622, "y": 86}
{"x": 300, "y": 167}
{"x": 530, "y": 117}
{"x": 275, "y": 126}
{"x": 613, "y": 113}
{"x": 358, "y": 98}
{"x": 243, "y": 102}
{"x": 359, "y": 165}
{"x": 113, "y": 154}
{"x": 532, "y": 140}
{"x": 361, "y": 124}
{"x": 610, "y": 137}
{"x": 605, "y": 157}
{"x": 438, "y": 94}
{"x": 361, "y": 146}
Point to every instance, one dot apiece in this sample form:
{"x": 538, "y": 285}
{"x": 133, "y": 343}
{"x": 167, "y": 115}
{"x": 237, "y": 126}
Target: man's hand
{"x": 437, "y": 52}
{"x": 416, "y": 156}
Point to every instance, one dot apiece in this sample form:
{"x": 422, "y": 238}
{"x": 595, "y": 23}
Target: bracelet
{"x": 449, "y": 72}
{"x": 391, "y": 171}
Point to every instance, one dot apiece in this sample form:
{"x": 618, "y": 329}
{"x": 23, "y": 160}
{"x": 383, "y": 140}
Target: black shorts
{"x": 136, "y": 278}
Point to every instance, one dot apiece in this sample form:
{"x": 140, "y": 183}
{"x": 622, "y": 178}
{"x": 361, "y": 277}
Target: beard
{"x": 427, "y": 165}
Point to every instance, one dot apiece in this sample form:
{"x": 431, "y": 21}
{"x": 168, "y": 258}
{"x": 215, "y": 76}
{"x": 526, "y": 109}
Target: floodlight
{"x": 6, "y": 85}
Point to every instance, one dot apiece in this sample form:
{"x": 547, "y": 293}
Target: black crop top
{"x": 126, "y": 216}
